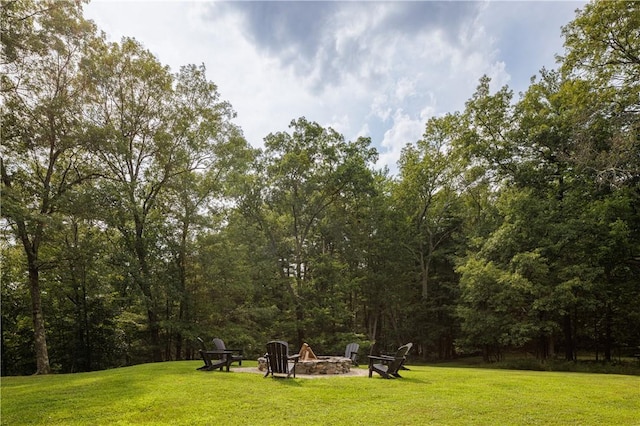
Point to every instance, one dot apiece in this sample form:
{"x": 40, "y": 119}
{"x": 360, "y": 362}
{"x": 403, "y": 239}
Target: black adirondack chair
{"x": 278, "y": 359}
{"x": 236, "y": 355}
{"x": 351, "y": 351}
{"x": 388, "y": 366}
{"x": 376, "y": 350}
{"x": 211, "y": 361}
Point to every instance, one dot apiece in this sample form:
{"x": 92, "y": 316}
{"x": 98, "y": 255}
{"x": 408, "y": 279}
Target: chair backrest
{"x": 278, "y": 355}
{"x": 219, "y": 344}
{"x": 203, "y": 353}
{"x": 201, "y": 343}
{"x": 399, "y": 358}
{"x": 375, "y": 349}
{"x": 409, "y": 346}
{"x": 351, "y": 351}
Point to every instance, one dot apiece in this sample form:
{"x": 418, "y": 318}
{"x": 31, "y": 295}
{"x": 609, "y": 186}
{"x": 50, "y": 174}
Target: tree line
{"x": 135, "y": 216}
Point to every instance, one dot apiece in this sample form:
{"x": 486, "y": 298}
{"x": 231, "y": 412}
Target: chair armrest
{"x": 382, "y": 357}
{"x": 293, "y": 357}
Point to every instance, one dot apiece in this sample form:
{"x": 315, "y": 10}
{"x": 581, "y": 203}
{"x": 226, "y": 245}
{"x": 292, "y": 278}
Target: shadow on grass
{"x": 284, "y": 381}
{"x": 629, "y": 368}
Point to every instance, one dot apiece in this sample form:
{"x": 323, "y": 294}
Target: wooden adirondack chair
{"x": 236, "y": 356}
{"x": 351, "y": 351}
{"x": 388, "y": 366}
{"x": 210, "y": 361}
{"x": 278, "y": 359}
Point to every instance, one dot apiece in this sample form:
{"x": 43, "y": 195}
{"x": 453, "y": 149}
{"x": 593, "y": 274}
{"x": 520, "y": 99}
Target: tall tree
{"x": 429, "y": 189}
{"x": 602, "y": 52}
{"x": 43, "y": 156}
{"x": 150, "y": 129}
{"x": 300, "y": 175}
{"x": 196, "y": 200}
{"x": 131, "y": 139}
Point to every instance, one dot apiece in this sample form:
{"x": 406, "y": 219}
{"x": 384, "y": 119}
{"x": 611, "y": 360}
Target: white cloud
{"x": 364, "y": 131}
{"x": 405, "y": 129}
{"x": 380, "y": 107}
{"x": 405, "y": 87}
{"x": 379, "y": 69}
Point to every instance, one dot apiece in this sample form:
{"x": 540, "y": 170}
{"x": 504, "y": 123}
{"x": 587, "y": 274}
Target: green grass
{"x": 174, "y": 393}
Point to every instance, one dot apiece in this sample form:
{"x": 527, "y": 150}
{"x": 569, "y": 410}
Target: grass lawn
{"x": 174, "y": 393}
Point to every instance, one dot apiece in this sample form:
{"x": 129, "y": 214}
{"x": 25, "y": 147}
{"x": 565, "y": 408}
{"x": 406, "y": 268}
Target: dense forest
{"x": 136, "y": 217}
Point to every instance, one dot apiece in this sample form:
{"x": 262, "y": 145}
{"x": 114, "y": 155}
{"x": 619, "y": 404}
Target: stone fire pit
{"x": 322, "y": 365}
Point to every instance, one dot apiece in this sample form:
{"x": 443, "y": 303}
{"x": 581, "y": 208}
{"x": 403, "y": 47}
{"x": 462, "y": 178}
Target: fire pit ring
{"x": 321, "y": 365}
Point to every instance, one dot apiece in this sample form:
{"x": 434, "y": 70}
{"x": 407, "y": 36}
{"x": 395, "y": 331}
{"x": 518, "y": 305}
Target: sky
{"x": 365, "y": 68}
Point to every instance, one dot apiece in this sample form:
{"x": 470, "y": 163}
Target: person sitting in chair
{"x": 306, "y": 353}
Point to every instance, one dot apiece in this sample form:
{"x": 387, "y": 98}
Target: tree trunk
{"x": 545, "y": 348}
{"x": 179, "y": 332}
{"x": 144, "y": 282}
{"x": 182, "y": 276}
{"x": 154, "y": 334}
{"x": 608, "y": 337}
{"x": 300, "y": 321}
{"x": 42, "y": 353}
{"x": 569, "y": 350}
{"x": 179, "y": 346}
{"x": 87, "y": 333}
{"x": 425, "y": 262}
{"x": 550, "y": 350}
{"x": 486, "y": 353}
{"x": 372, "y": 326}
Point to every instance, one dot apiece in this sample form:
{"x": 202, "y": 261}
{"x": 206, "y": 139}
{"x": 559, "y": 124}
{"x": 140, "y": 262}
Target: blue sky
{"x": 377, "y": 69}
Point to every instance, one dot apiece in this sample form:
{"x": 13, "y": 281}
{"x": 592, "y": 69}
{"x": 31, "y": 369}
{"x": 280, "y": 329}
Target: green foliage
{"x": 43, "y": 126}
{"x": 570, "y": 136}
{"x": 603, "y": 40}
{"x": 309, "y": 183}
{"x": 17, "y": 326}
{"x": 137, "y": 218}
